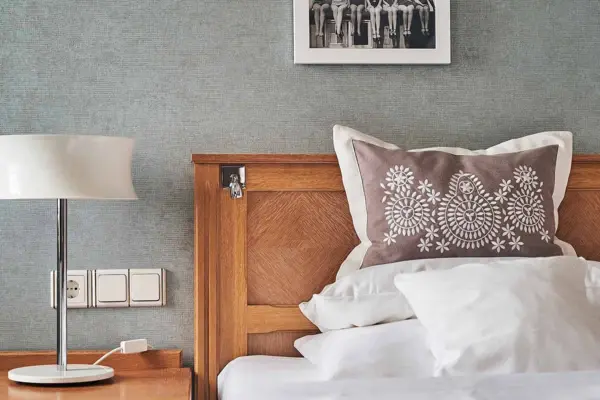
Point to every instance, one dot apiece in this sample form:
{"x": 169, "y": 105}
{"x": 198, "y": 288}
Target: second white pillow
{"x": 526, "y": 315}
{"x": 398, "y": 349}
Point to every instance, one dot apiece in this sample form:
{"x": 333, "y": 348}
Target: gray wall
{"x": 217, "y": 76}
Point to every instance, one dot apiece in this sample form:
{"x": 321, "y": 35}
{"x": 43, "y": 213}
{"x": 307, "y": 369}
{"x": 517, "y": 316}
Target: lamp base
{"x": 50, "y": 375}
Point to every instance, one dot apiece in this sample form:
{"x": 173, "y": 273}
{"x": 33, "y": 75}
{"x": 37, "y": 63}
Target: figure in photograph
{"x": 391, "y": 7}
{"x": 338, "y": 7}
{"x": 319, "y": 8}
{"x": 407, "y": 7}
{"x": 423, "y": 8}
{"x": 374, "y": 8}
{"x": 356, "y": 9}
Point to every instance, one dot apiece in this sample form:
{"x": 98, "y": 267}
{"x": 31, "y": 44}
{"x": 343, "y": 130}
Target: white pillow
{"x": 592, "y": 283}
{"x": 368, "y": 296}
{"x": 527, "y": 315}
{"x": 398, "y": 349}
{"x": 351, "y": 177}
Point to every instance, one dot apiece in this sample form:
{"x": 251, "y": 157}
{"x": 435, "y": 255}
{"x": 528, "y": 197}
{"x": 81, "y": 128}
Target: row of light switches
{"x": 113, "y": 288}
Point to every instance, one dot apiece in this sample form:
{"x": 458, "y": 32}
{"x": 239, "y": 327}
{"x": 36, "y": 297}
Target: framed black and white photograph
{"x": 372, "y": 31}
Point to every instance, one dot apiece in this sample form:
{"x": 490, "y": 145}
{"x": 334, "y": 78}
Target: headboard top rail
{"x": 310, "y": 158}
{"x": 265, "y": 158}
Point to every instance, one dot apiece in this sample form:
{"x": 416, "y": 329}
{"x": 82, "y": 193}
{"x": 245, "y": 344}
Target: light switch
{"x": 111, "y": 288}
{"x": 147, "y": 287}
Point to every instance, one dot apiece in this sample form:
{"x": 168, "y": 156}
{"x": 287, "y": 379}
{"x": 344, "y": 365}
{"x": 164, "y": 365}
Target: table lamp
{"x": 63, "y": 167}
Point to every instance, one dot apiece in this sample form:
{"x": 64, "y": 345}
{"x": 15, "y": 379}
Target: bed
{"x": 259, "y": 256}
{"x": 279, "y": 378}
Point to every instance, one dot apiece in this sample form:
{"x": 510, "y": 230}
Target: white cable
{"x": 104, "y": 357}
{"x": 127, "y": 347}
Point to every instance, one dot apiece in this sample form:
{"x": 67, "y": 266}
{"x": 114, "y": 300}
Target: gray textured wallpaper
{"x": 184, "y": 76}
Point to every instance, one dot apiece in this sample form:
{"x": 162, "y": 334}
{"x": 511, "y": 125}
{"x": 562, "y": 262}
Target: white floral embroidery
{"x": 525, "y": 210}
{"x": 468, "y": 216}
{"x": 506, "y": 185}
{"x": 508, "y": 230}
{"x": 432, "y": 232}
{"x": 389, "y": 238}
{"x": 433, "y": 196}
{"x": 386, "y": 193}
{"x": 424, "y": 245}
{"x": 526, "y": 177}
{"x": 399, "y": 177}
{"x": 442, "y": 246}
{"x": 500, "y": 196}
{"x": 498, "y": 245}
{"x": 466, "y": 187}
{"x": 545, "y": 236}
{"x": 515, "y": 243}
{"x": 407, "y": 213}
{"x": 424, "y": 186}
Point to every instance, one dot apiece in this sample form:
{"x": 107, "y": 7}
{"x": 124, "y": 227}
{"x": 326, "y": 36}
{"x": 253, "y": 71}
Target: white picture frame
{"x": 304, "y": 38}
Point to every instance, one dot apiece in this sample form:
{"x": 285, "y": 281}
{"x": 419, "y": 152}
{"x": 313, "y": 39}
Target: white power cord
{"x": 127, "y": 347}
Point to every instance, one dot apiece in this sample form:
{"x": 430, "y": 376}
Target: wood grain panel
{"x": 293, "y": 177}
{"x": 585, "y": 175}
{"x": 577, "y": 212}
{"x": 152, "y": 359}
{"x": 232, "y": 280}
{"x": 206, "y": 210}
{"x": 296, "y": 242}
{"x": 275, "y": 344}
{"x": 266, "y": 319}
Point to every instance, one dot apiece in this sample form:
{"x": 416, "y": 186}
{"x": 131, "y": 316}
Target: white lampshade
{"x": 65, "y": 167}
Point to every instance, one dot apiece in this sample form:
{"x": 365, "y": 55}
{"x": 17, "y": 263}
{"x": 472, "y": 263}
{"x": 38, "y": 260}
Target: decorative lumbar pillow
{"x": 452, "y": 202}
{"x": 435, "y": 204}
{"x": 517, "y": 316}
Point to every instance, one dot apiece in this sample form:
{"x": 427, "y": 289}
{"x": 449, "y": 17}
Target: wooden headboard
{"x": 259, "y": 256}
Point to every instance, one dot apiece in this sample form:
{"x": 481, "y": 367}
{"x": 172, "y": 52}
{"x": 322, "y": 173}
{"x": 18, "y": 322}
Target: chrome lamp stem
{"x": 61, "y": 292}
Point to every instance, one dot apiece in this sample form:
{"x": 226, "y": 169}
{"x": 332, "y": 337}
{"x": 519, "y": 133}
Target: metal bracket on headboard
{"x": 233, "y": 177}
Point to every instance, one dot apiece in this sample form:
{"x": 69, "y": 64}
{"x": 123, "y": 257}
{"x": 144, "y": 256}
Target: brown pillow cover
{"x": 433, "y": 204}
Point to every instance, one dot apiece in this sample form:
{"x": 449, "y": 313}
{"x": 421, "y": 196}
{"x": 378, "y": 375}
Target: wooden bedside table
{"x": 132, "y": 381}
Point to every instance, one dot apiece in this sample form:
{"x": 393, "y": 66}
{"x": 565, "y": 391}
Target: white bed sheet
{"x": 281, "y": 378}
{"x": 259, "y": 371}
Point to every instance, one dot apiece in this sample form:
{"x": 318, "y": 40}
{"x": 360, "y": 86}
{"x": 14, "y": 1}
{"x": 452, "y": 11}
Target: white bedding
{"x": 280, "y": 378}
{"x": 398, "y": 349}
{"x": 266, "y": 378}
{"x": 257, "y": 371}
{"x": 525, "y": 316}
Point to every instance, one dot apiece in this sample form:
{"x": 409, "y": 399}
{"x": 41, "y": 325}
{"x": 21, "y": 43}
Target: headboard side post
{"x": 206, "y": 204}
{"x": 232, "y": 284}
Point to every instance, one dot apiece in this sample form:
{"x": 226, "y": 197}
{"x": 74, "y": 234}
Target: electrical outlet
{"x": 73, "y": 288}
{"x": 78, "y": 289}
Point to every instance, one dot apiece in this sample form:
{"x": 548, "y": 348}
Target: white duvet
{"x": 290, "y": 379}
